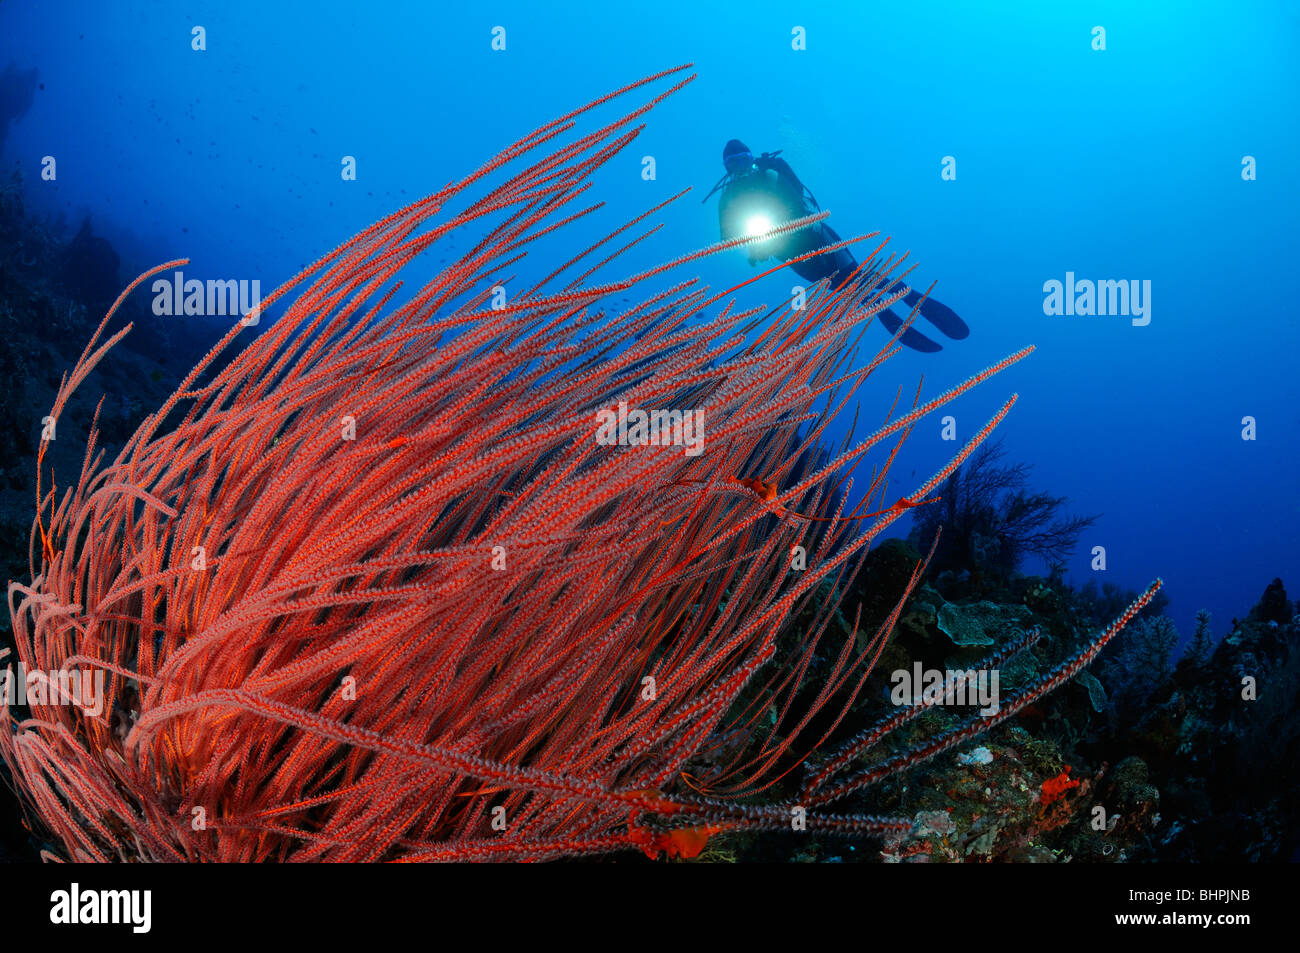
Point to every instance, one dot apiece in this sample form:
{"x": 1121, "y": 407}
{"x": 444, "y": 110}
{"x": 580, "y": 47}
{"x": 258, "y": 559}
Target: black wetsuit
{"x": 771, "y": 188}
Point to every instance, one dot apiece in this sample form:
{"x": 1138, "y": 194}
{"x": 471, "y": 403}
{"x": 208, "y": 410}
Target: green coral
{"x": 979, "y": 622}
{"x": 1096, "y": 691}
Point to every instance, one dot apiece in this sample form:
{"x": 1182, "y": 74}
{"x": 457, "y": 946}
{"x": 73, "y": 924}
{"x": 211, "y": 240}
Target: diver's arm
{"x": 786, "y": 176}
{"x": 782, "y": 170}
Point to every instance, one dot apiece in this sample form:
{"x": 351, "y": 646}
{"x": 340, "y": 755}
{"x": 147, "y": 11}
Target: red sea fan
{"x": 375, "y": 589}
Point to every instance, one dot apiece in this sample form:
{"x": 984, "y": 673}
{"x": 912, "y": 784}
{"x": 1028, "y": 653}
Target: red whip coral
{"x": 374, "y": 590}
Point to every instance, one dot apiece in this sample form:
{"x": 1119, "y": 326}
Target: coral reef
{"x": 1153, "y": 760}
{"x": 1196, "y": 771}
{"x": 309, "y": 737}
{"x": 991, "y": 521}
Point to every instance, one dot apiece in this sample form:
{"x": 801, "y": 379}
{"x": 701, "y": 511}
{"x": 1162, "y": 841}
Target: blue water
{"x": 1122, "y": 164}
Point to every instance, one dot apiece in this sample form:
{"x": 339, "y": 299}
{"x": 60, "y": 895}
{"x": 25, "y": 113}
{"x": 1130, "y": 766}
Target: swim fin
{"x": 940, "y": 315}
{"x": 911, "y": 337}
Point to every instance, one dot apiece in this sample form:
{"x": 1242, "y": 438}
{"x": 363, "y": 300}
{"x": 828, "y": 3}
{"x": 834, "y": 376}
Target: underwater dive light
{"x": 758, "y": 224}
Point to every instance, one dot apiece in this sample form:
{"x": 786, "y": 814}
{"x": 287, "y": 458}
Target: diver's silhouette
{"x": 763, "y": 192}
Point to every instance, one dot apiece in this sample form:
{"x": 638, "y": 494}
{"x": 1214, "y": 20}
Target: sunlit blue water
{"x": 1122, "y": 164}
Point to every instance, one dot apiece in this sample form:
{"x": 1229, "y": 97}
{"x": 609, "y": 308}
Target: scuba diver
{"x": 761, "y": 193}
